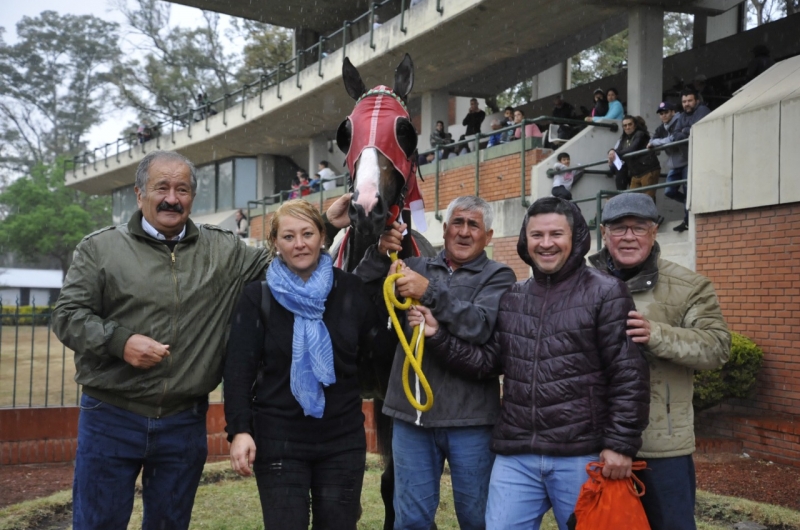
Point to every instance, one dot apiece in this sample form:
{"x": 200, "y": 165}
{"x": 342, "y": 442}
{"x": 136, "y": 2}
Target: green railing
{"x": 476, "y": 139}
{"x": 553, "y": 172}
{"x": 197, "y": 115}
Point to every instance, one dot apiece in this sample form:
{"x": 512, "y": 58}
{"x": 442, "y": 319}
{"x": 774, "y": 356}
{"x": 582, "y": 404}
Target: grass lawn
{"x": 226, "y": 502}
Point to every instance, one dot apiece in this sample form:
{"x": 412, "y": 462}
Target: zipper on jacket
{"x": 174, "y": 327}
{"x": 669, "y": 419}
{"x": 536, "y": 362}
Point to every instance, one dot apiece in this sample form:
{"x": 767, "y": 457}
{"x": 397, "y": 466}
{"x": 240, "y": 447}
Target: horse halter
{"x": 373, "y": 123}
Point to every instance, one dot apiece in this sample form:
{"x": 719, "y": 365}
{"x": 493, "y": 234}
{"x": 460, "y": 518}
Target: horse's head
{"x": 379, "y": 142}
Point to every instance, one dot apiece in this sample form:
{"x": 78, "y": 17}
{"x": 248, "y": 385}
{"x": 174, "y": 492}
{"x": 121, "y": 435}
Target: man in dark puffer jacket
{"x": 575, "y": 384}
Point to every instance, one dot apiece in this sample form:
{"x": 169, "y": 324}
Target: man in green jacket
{"x": 146, "y": 308}
{"x": 679, "y": 327}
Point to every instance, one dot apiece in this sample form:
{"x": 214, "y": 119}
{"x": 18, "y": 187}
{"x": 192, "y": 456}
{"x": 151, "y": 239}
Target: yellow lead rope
{"x": 413, "y": 359}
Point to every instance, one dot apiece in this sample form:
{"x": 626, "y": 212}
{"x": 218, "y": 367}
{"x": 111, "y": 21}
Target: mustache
{"x": 167, "y": 207}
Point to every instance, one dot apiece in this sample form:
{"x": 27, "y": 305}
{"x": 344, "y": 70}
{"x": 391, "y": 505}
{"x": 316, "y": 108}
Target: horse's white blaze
{"x": 368, "y": 179}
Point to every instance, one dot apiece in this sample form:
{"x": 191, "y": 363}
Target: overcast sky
{"x": 13, "y": 10}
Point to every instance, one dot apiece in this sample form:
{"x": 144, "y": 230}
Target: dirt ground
{"x": 731, "y": 475}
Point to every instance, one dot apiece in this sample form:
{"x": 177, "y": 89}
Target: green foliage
{"x": 45, "y": 218}
{"x": 737, "y": 378}
{"x": 605, "y": 59}
{"x": 53, "y": 86}
{"x": 23, "y": 315}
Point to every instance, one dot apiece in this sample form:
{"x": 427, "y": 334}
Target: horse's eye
{"x": 406, "y": 136}
{"x": 344, "y": 135}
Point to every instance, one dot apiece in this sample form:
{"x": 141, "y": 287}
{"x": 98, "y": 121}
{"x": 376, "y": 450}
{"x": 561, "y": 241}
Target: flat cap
{"x": 629, "y": 204}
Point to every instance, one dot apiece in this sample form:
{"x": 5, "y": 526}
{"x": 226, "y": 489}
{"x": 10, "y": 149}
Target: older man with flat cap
{"x": 679, "y": 327}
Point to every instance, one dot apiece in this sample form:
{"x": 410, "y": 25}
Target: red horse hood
{"x": 373, "y": 124}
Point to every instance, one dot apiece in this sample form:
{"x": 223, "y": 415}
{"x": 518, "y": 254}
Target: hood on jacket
{"x": 581, "y": 242}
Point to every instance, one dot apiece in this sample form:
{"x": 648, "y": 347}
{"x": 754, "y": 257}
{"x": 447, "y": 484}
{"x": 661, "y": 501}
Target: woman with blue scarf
{"x": 292, "y": 403}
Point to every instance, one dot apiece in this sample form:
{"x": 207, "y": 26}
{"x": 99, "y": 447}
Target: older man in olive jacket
{"x": 678, "y": 325}
{"x": 145, "y": 306}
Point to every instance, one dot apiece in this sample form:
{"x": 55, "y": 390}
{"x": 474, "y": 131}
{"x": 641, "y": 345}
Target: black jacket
{"x": 272, "y": 411}
{"x": 574, "y": 383}
{"x": 638, "y": 165}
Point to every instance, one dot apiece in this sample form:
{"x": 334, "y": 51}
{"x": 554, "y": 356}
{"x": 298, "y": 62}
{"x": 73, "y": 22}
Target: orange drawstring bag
{"x": 606, "y": 504}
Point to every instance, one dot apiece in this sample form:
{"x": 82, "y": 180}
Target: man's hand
{"x": 638, "y": 328}
{"x": 144, "y": 352}
{"x": 418, "y": 314}
{"x": 649, "y": 145}
{"x": 392, "y": 239}
{"x": 337, "y": 212}
{"x": 243, "y": 454}
{"x": 616, "y": 466}
{"x": 411, "y": 285}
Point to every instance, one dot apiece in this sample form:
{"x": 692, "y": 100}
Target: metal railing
{"x": 36, "y": 369}
{"x": 553, "y": 172}
{"x": 476, "y": 141}
{"x": 187, "y": 120}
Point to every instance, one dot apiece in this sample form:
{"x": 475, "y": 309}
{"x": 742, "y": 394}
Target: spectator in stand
{"x": 295, "y": 192}
{"x": 615, "y": 109}
{"x": 677, "y": 156}
{"x": 563, "y": 182}
{"x": 600, "y": 107}
{"x": 440, "y": 138}
{"x": 562, "y": 109}
{"x": 679, "y": 327}
{"x": 474, "y": 118}
{"x": 693, "y": 111}
{"x": 508, "y": 120}
{"x": 326, "y": 175}
{"x": 705, "y": 92}
{"x": 576, "y": 386}
{"x": 209, "y": 110}
{"x": 496, "y": 138}
{"x": 305, "y": 183}
{"x": 531, "y": 129}
{"x": 642, "y": 170}
{"x": 760, "y": 63}
{"x": 426, "y": 159}
{"x": 199, "y": 112}
{"x": 292, "y": 402}
{"x": 242, "y": 224}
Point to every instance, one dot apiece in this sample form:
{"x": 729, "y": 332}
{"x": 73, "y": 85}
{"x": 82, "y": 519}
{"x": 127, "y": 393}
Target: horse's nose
{"x": 367, "y": 198}
{"x": 371, "y": 223}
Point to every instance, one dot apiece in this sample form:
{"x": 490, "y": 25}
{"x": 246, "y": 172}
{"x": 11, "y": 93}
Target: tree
{"x": 173, "y": 64}
{"x": 53, "y": 86}
{"x": 45, "y": 218}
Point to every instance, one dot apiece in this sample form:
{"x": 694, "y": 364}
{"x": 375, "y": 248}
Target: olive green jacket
{"x": 687, "y": 333}
{"x": 122, "y": 281}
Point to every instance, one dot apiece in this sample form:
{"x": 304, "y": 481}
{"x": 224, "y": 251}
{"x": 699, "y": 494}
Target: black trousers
{"x": 296, "y": 479}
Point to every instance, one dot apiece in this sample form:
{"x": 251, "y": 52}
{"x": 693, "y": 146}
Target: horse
{"x": 380, "y": 144}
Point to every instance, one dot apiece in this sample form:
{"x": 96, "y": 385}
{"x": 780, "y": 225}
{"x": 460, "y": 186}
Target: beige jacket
{"x": 687, "y": 333}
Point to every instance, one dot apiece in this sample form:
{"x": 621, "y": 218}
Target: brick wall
{"x": 753, "y": 258}
{"x": 45, "y": 435}
{"x": 505, "y": 251}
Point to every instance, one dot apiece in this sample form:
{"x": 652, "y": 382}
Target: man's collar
{"x": 136, "y": 228}
{"x": 152, "y": 232}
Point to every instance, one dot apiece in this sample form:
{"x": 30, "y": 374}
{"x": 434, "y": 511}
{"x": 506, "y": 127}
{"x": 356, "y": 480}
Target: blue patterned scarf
{"x": 312, "y": 351}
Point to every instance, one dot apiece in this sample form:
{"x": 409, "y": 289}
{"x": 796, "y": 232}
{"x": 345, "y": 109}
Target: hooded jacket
{"x": 687, "y": 333}
{"x": 574, "y": 382}
{"x": 122, "y": 282}
{"x": 677, "y": 156}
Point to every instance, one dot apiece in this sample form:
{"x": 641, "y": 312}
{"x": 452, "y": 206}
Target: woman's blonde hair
{"x": 299, "y": 209}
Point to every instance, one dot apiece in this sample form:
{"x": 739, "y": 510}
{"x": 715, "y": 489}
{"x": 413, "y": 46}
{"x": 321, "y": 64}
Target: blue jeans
{"x": 524, "y": 487}
{"x": 419, "y": 454}
{"x": 669, "y": 492}
{"x": 674, "y": 192}
{"x": 114, "y": 445}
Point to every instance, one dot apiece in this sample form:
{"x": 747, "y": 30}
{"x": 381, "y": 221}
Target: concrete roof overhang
{"x": 475, "y": 48}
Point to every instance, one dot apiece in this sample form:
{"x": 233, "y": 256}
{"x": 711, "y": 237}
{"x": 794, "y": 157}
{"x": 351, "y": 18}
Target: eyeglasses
{"x": 621, "y": 230}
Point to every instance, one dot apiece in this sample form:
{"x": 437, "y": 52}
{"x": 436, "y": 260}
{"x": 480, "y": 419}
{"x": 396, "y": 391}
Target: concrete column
{"x": 265, "y": 176}
{"x": 551, "y": 81}
{"x": 435, "y": 107}
{"x": 317, "y": 150}
{"x": 645, "y": 62}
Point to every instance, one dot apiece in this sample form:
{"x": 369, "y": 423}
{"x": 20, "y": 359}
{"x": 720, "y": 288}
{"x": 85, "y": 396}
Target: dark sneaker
{"x": 681, "y": 227}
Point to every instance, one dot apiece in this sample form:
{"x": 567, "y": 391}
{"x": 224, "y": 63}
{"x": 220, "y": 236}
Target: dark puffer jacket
{"x": 574, "y": 383}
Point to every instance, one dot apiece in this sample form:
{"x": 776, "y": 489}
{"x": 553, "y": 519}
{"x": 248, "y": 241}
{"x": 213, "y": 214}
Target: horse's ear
{"x": 344, "y": 135}
{"x": 404, "y": 77}
{"x": 352, "y": 80}
{"x": 406, "y": 136}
